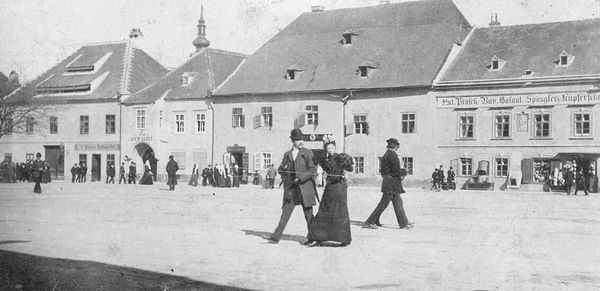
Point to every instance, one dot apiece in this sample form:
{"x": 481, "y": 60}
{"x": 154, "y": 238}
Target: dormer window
{"x": 366, "y": 68}
{"x": 527, "y": 73}
{"x": 293, "y": 72}
{"x": 496, "y": 64}
{"x": 565, "y": 59}
{"x": 78, "y": 67}
{"x": 348, "y": 36}
{"x": 187, "y": 78}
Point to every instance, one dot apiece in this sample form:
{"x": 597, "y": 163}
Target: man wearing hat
{"x": 298, "y": 171}
{"x": 172, "y": 169}
{"x": 37, "y": 166}
{"x": 391, "y": 187}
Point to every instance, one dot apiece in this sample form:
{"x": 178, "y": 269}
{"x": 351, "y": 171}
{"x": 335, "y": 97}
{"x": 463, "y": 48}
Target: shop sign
{"x": 546, "y": 99}
{"x": 141, "y": 137}
{"x": 97, "y": 146}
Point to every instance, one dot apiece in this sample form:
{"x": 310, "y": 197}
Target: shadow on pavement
{"x": 265, "y": 235}
{"x": 28, "y": 272}
{"x": 364, "y": 225}
{"x": 5, "y": 242}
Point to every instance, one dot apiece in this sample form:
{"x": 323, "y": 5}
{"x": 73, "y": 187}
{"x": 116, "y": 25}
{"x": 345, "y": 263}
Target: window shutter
{"x": 366, "y": 128}
{"x": 257, "y": 162}
{"x": 226, "y": 159}
{"x": 300, "y": 120}
{"x": 527, "y": 171}
{"x": 243, "y": 121}
{"x": 349, "y": 129}
{"x": 245, "y": 161}
{"x": 256, "y": 121}
{"x": 233, "y": 121}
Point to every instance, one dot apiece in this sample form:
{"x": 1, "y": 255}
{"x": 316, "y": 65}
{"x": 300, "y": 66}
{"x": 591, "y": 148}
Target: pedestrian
{"x": 132, "y": 173}
{"x": 84, "y": 170}
{"x": 205, "y": 176}
{"x": 73, "y": 173}
{"x": 569, "y": 180}
{"x": 147, "y": 177}
{"x": 451, "y": 179}
{"x": 46, "y": 173}
{"x": 110, "y": 173}
{"x": 441, "y": 179}
{"x": 332, "y": 222}
{"x": 122, "y": 173}
{"x": 194, "y": 176}
{"x": 434, "y": 177}
{"x": 37, "y": 168}
{"x": 391, "y": 187}
{"x": 271, "y": 175}
{"x": 172, "y": 169}
{"x": 581, "y": 181}
{"x": 79, "y": 167}
{"x": 299, "y": 170}
{"x": 236, "y": 175}
{"x": 211, "y": 175}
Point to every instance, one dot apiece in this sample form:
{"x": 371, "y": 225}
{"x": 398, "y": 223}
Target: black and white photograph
{"x": 299, "y": 145}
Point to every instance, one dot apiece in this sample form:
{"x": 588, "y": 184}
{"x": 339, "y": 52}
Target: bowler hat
{"x": 392, "y": 142}
{"x": 38, "y": 155}
{"x": 296, "y": 134}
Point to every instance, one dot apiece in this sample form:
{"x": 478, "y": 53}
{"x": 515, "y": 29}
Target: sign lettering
{"x": 548, "y": 99}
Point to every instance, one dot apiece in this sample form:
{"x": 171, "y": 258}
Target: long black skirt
{"x": 146, "y": 179}
{"x": 332, "y": 222}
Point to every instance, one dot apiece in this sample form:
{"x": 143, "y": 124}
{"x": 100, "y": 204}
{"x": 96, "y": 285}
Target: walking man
{"x": 122, "y": 174}
{"x": 451, "y": 179}
{"x": 581, "y": 180}
{"x": 73, "y": 173}
{"x": 441, "y": 178}
{"x": 569, "y": 180}
{"x": 172, "y": 169}
{"x": 391, "y": 187}
{"x": 110, "y": 173}
{"x": 299, "y": 171}
{"x": 36, "y": 170}
{"x": 132, "y": 173}
{"x": 83, "y": 173}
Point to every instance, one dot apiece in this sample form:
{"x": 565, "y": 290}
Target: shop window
{"x": 408, "y": 164}
{"x": 84, "y": 124}
{"x": 140, "y": 118}
{"x": 501, "y": 167}
{"x": 466, "y": 166}
{"x": 200, "y": 122}
{"x": 29, "y": 122}
{"x": 8, "y": 157}
{"x": 582, "y": 124}
{"x": 360, "y": 124}
{"x": 179, "y": 123}
{"x": 53, "y": 125}
{"x": 312, "y": 114}
{"x": 466, "y": 126}
{"x": 110, "y": 124}
{"x": 502, "y": 125}
{"x": 409, "y": 122}
{"x": 542, "y": 170}
{"x": 179, "y": 157}
{"x": 237, "y": 117}
{"x": 541, "y": 125}
{"x": 28, "y": 157}
{"x": 359, "y": 165}
{"x": 110, "y": 160}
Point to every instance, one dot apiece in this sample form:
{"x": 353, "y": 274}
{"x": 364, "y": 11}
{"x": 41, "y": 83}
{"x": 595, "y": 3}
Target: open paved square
{"x": 462, "y": 240}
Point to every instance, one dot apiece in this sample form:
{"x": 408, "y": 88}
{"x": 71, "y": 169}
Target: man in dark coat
{"x": 73, "y": 173}
{"x": 391, "y": 187}
{"x": 132, "y": 173}
{"x": 451, "y": 179}
{"x": 84, "y": 170}
{"x": 299, "y": 171}
{"x": 441, "y": 178}
{"x": 122, "y": 174}
{"x": 78, "y": 177}
{"x": 37, "y": 168}
{"x": 569, "y": 180}
{"x": 110, "y": 173}
{"x": 580, "y": 180}
{"x": 172, "y": 169}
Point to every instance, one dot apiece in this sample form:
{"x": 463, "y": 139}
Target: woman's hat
{"x": 296, "y": 134}
{"x": 392, "y": 141}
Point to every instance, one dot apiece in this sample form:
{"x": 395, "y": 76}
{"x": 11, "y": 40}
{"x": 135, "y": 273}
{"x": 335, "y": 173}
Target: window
{"x": 8, "y": 157}
{"x": 496, "y": 64}
{"x": 501, "y": 167}
{"x": 542, "y": 170}
{"x": 312, "y": 114}
{"x": 29, "y": 125}
{"x": 82, "y": 158}
{"x": 565, "y": 59}
{"x": 291, "y": 74}
{"x": 541, "y": 124}
{"x": 408, "y": 122}
{"x": 110, "y": 124}
{"x": 237, "y": 117}
{"x": 180, "y": 123}
{"x": 110, "y": 160}
{"x": 408, "y": 164}
{"x": 200, "y": 122}
{"x": 28, "y": 157}
{"x": 140, "y": 118}
{"x": 360, "y": 124}
{"x": 502, "y": 125}
{"x": 53, "y": 125}
{"x": 266, "y": 160}
{"x": 179, "y": 157}
{"x": 466, "y": 166}
{"x": 9, "y": 126}
{"x": 363, "y": 70}
{"x": 84, "y": 124}
{"x": 266, "y": 114}
{"x": 466, "y": 125}
{"x": 582, "y": 122}
{"x": 359, "y": 165}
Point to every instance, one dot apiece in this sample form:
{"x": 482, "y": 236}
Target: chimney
{"x": 317, "y": 8}
{"x": 384, "y": 2}
{"x": 494, "y": 20}
{"x": 136, "y": 33}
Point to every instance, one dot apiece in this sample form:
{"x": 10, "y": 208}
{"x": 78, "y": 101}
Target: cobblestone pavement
{"x": 462, "y": 240}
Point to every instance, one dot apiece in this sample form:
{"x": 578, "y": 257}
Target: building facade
{"x": 521, "y": 102}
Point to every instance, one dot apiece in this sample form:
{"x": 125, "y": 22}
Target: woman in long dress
{"x": 332, "y": 222}
{"x": 147, "y": 177}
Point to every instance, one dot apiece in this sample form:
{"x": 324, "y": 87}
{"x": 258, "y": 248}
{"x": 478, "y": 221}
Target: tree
{"x": 19, "y": 113}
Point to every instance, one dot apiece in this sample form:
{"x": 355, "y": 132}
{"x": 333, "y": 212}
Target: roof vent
{"x": 317, "y": 8}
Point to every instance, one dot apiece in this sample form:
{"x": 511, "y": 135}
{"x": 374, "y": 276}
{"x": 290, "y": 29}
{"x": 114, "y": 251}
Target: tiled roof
{"x": 209, "y": 68}
{"x": 110, "y": 61}
{"x": 409, "y": 41}
{"x": 534, "y": 47}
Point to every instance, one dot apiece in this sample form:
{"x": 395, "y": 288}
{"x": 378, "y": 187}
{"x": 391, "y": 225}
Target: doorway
{"x": 147, "y": 154}
{"x": 96, "y": 167}
{"x": 55, "y": 157}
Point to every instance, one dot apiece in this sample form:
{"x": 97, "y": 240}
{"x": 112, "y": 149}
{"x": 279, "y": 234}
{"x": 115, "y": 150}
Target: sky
{"x": 37, "y": 34}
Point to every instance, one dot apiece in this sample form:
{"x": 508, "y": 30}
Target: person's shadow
{"x": 265, "y": 235}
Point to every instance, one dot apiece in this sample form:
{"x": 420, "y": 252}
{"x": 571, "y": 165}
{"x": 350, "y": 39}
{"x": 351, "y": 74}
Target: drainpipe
{"x": 345, "y": 100}
{"x": 212, "y": 132}
{"x": 119, "y": 96}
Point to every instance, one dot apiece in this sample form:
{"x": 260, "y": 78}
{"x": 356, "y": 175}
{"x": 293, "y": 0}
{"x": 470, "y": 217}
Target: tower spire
{"x": 201, "y": 42}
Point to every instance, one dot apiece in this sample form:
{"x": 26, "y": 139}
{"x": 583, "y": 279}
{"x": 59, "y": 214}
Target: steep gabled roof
{"x": 209, "y": 68}
{"x": 105, "y": 69}
{"x": 409, "y": 40}
{"x": 535, "y": 47}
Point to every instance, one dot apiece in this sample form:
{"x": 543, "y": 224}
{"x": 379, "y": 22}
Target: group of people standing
{"x": 23, "y": 172}
{"x": 79, "y": 173}
{"x": 218, "y": 175}
{"x": 577, "y": 177}
{"x": 440, "y": 182}
{"x": 332, "y": 222}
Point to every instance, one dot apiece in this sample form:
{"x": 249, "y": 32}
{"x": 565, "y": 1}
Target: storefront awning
{"x": 577, "y": 156}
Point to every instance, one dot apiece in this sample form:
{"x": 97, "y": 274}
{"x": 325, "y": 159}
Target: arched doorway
{"x": 147, "y": 154}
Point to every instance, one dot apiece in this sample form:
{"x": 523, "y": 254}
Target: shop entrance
{"x": 55, "y": 157}
{"x": 96, "y": 167}
{"x": 147, "y": 154}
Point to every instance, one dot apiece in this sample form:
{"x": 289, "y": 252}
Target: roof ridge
{"x": 539, "y": 24}
{"x": 104, "y": 43}
{"x": 222, "y": 51}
